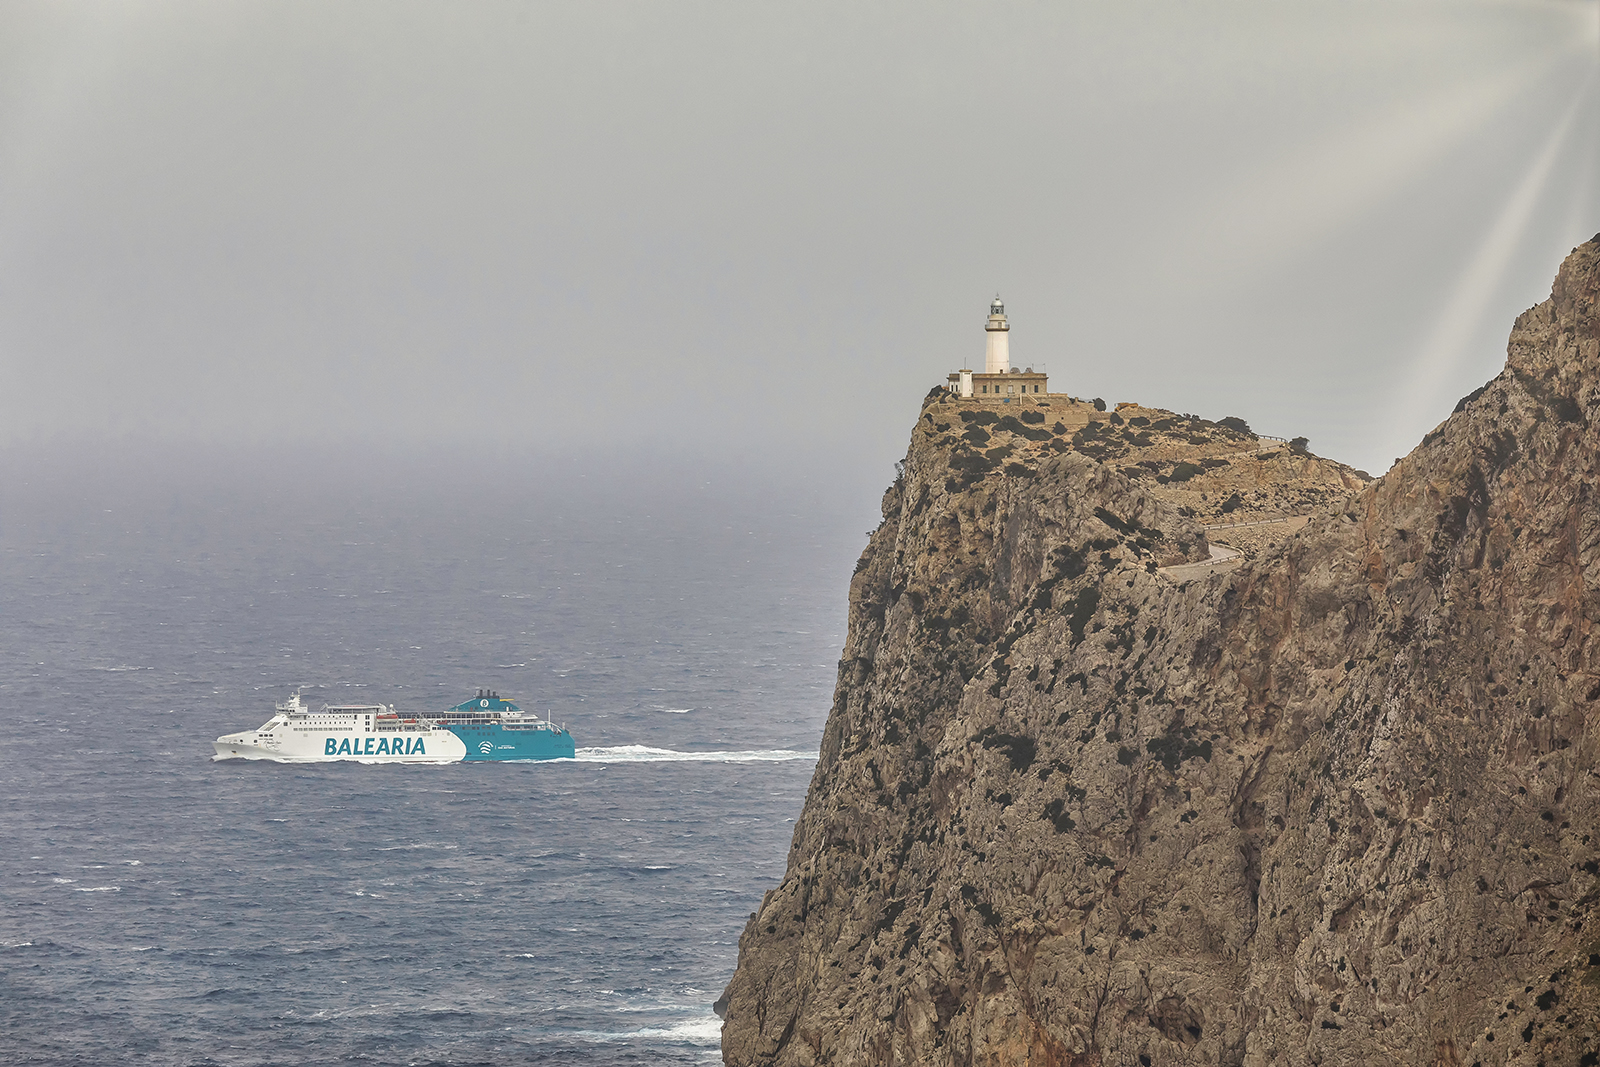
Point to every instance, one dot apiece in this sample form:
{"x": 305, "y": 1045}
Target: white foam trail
{"x": 645, "y": 754}
{"x": 705, "y": 1030}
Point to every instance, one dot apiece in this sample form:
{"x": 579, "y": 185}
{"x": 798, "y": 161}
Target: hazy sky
{"x": 767, "y": 230}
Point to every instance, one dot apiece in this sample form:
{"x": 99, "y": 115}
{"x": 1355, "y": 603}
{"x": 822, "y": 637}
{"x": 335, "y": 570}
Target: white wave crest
{"x": 704, "y": 1030}
{"x": 413, "y": 846}
{"x": 646, "y": 754}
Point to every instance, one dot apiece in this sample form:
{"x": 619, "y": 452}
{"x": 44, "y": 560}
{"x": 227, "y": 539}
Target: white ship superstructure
{"x": 368, "y": 733}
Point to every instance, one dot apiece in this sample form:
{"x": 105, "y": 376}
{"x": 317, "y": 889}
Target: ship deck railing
{"x": 507, "y": 724}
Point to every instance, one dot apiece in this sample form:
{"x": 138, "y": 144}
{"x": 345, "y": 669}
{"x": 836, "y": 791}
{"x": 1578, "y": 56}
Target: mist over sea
{"x": 157, "y": 907}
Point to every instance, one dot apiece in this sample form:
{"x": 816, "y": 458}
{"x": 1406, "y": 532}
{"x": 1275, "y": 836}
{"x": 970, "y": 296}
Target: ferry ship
{"x": 367, "y": 733}
{"x": 493, "y": 728}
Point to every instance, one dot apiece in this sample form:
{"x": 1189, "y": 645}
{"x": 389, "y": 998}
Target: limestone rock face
{"x": 1339, "y": 805}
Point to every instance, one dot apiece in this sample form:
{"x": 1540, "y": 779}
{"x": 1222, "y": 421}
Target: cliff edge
{"x": 1080, "y": 802}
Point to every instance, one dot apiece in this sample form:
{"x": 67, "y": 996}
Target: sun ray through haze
{"x": 1309, "y": 196}
{"x": 1450, "y": 339}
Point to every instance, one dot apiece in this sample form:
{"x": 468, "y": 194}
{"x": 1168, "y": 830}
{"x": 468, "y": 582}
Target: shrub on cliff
{"x": 1186, "y": 470}
{"x": 1011, "y": 424}
{"x": 1056, "y": 812}
{"x": 1298, "y": 446}
{"x": 1018, "y": 748}
{"x": 972, "y": 466}
{"x": 1099, "y": 405}
{"x": 1237, "y": 425}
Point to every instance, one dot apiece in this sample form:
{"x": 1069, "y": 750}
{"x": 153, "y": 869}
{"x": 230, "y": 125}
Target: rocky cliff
{"x": 1337, "y": 805}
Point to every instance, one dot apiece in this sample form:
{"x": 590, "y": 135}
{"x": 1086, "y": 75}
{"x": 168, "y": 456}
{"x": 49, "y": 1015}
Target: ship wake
{"x": 646, "y": 754}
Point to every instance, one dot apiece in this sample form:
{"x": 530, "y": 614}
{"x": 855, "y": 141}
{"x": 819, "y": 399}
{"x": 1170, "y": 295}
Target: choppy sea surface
{"x": 158, "y": 907}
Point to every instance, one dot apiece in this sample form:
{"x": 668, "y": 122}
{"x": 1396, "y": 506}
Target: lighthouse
{"x": 997, "y": 353}
{"x": 999, "y": 381}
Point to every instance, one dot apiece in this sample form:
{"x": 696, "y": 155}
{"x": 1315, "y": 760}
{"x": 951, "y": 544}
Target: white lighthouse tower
{"x": 997, "y": 354}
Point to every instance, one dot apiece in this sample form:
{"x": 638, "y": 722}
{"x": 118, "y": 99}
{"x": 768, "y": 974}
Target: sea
{"x": 159, "y": 907}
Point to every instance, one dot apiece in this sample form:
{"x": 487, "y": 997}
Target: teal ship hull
{"x": 493, "y": 728}
{"x": 491, "y": 742}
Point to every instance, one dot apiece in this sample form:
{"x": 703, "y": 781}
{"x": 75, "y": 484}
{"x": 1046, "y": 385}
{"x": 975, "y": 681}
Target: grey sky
{"x": 771, "y": 228}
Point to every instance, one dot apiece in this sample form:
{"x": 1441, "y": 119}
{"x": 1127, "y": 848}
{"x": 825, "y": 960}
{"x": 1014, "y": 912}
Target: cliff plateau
{"x": 1337, "y": 805}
